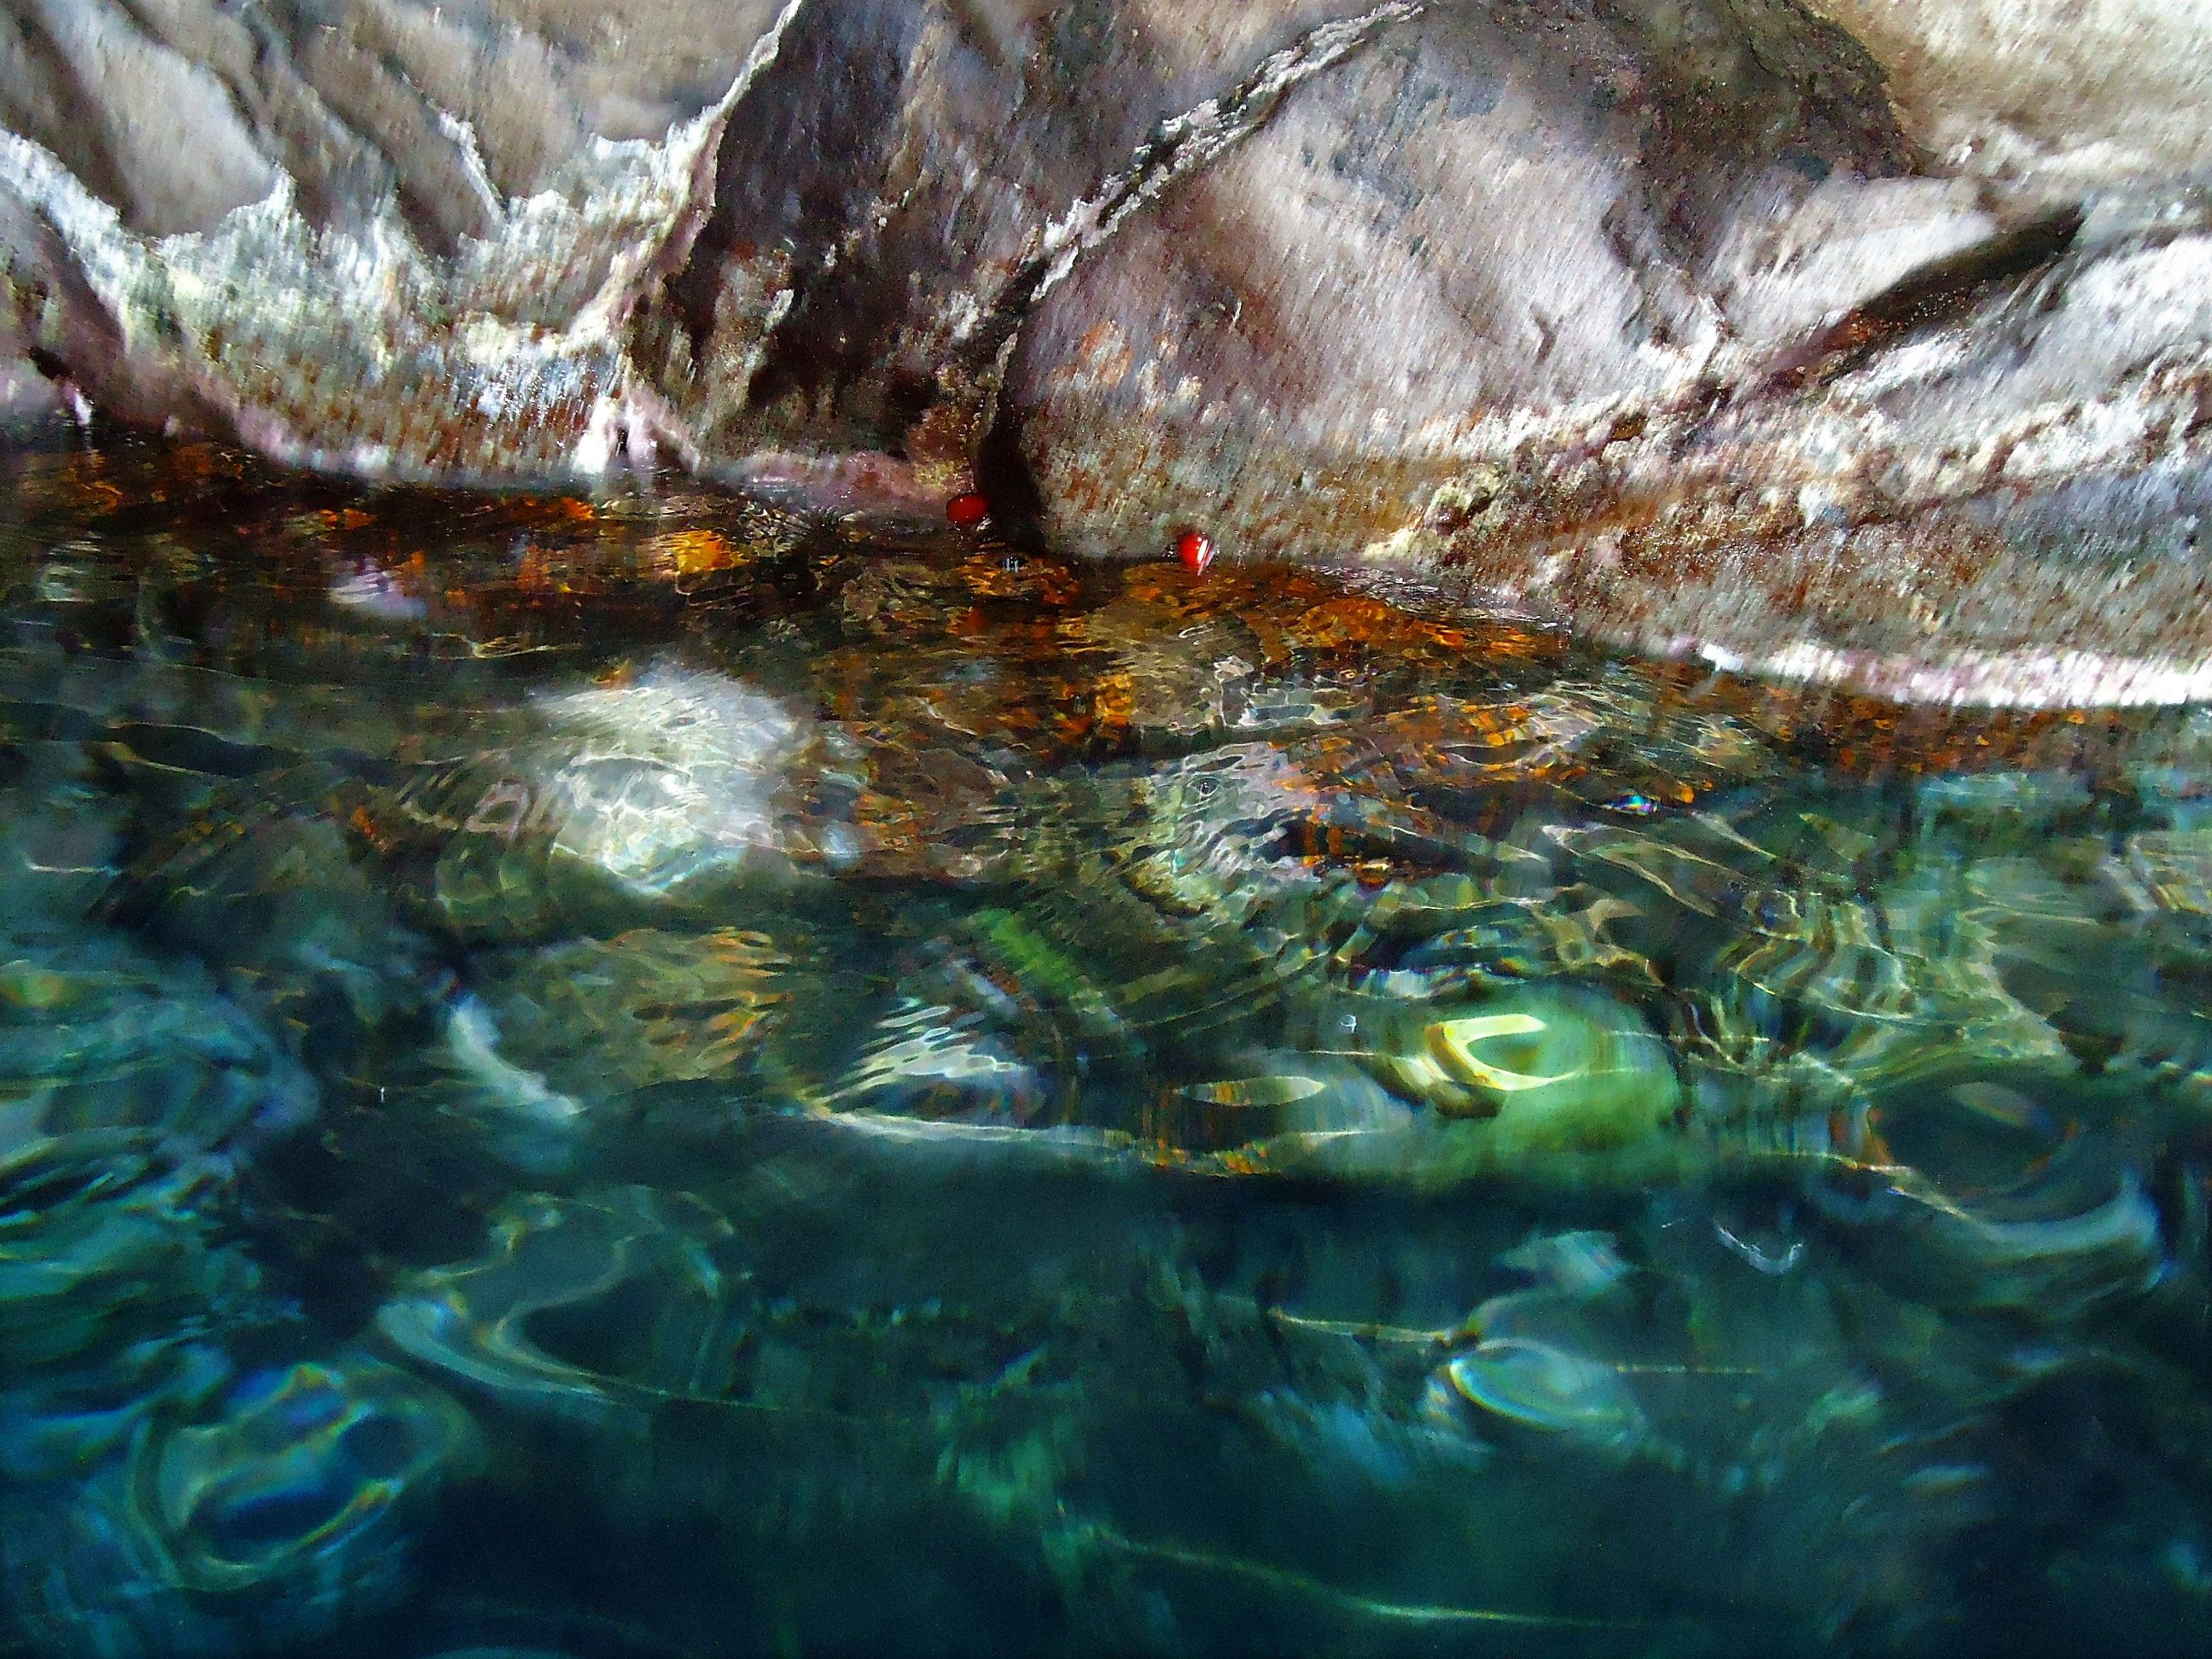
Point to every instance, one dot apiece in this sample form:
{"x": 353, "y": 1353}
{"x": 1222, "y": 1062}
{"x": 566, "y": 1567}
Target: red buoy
{"x": 968, "y": 511}
{"x": 1195, "y": 549}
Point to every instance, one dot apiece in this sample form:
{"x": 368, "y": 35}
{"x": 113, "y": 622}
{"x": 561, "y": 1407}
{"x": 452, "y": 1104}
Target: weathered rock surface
{"x": 1869, "y": 343}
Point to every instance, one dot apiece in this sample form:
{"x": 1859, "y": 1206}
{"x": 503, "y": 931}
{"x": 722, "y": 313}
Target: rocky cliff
{"x": 1869, "y": 342}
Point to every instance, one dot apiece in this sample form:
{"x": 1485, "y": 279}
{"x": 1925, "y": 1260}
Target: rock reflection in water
{"x": 645, "y": 1076}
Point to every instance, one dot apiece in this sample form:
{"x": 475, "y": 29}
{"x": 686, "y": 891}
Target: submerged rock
{"x": 472, "y": 1320}
{"x": 1545, "y": 1069}
{"x": 1867, "y": 346}
{"x": 268, "y": 1521}
{"x": 108, "y": 1248}
{"x": 627, "y": 800}
{"x": 96, "y": 1040}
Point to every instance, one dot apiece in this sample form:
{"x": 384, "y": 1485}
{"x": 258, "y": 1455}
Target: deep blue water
{"x": 652, "y": 1078}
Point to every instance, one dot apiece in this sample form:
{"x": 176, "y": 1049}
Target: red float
{"x": 968, "y": 511}
{"x": 1195, "y": 549}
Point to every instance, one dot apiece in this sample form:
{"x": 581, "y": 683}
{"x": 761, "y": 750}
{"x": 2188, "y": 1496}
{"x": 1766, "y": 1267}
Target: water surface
{"x": 651, "y": 1078}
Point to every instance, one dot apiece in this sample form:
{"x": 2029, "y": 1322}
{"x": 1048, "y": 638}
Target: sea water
{"x": 657, "y": 1077}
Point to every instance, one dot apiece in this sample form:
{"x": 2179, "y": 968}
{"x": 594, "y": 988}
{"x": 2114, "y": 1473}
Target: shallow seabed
{"x": 650, "y": 1078}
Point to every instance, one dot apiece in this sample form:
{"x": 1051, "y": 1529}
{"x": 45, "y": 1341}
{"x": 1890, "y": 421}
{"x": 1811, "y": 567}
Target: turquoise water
{"x": 650, "y": 1078}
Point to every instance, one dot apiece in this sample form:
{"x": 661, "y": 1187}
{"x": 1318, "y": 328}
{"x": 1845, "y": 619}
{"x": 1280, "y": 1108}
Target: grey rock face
{"x": 1868, "y": 345}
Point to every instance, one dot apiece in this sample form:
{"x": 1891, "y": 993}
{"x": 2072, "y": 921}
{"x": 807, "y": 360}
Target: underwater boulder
{"x": 260, "y": 885}
{"x": 2007, "y": 1191}
{"x": 305, "y": 1472}
{"x": 629, "y": 1274}
{"x": 107, "y": 1241}
{"x": 599, "y": 1017}
{"x": 1534, "y": 1070}
{"x": 291, "y": 1507}
{"x": 95, "y": 1038}
{"x": 626, "y": 802}
{"x": 119, "y": 1294}
{"x": 927, "y": 1060}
